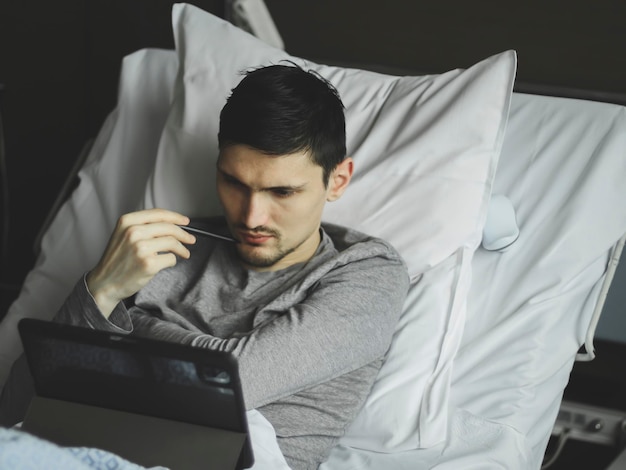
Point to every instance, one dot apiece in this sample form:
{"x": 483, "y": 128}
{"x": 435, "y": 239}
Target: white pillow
{"x": 425, "y": 151}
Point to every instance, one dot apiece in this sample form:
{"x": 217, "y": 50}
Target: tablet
{"x": 182, "y": 393}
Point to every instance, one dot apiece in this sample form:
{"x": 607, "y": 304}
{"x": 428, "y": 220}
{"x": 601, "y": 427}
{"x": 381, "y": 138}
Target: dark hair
{"x": 283, "y": 109}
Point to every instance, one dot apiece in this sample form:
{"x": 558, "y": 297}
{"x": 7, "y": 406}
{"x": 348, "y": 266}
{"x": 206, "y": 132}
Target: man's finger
{"x": 149, "y": 216}
{"x": 139, "y": 232}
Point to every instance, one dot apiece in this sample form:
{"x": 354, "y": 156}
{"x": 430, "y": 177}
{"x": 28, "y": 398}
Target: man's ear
{"x": 339, "y": 179}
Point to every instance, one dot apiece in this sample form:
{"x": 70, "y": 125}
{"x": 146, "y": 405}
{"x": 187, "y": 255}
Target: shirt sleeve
{"x": 80, "y": 309}
{"x": 345, "y": 322}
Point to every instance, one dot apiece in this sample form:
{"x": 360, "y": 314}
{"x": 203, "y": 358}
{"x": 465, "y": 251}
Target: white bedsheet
{"x": 473, "y": 443}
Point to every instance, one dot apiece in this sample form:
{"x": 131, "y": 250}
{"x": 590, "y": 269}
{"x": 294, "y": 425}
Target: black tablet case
{"x": 150, "y": 402}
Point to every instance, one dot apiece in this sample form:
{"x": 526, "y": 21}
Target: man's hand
{"x": 142, "y": 244}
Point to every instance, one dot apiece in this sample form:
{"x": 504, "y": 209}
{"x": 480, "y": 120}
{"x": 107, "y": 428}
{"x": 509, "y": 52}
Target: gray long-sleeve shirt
{"x": 309, "y": 339}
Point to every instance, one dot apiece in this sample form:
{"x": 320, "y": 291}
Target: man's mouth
{"x": 255, "y": 238}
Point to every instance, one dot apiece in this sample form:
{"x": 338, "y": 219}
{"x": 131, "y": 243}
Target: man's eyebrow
{"x": 227, "y": 175}
{"x": 287, "y": 187}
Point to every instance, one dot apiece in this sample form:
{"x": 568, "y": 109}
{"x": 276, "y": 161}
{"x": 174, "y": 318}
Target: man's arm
{"x": 346, "y": 322}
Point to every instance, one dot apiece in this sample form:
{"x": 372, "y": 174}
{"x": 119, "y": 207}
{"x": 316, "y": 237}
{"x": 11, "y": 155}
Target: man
{"x": 307, "y": 309}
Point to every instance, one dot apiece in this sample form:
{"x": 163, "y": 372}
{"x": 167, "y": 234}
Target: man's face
{"x": 273, "y": 205}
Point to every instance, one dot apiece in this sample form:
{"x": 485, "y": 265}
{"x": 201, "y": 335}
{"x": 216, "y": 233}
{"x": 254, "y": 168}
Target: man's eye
{"x": 283, "y": 192}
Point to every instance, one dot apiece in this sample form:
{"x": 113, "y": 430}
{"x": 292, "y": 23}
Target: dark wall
{"x": 578, "y": 43}
{"x": 42, "y": 69}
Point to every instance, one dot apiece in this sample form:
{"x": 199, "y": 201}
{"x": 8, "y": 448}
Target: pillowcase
{"x": 425, "y": 150}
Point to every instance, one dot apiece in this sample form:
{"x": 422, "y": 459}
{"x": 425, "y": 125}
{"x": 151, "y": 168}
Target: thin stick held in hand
{"x": 205, "y": 233}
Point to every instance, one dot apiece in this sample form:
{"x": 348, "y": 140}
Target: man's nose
{"x": 255, "y": 212}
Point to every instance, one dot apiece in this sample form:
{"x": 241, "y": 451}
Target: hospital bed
{"x": 490, "y": 333}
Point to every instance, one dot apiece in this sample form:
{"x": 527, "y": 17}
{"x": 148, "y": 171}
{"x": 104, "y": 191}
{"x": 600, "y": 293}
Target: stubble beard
{"x": 263, "y": 260}
{"x": 267, "y": 260}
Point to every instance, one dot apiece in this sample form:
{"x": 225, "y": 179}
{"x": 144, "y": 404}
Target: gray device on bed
{"x": 151, "y": 402}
